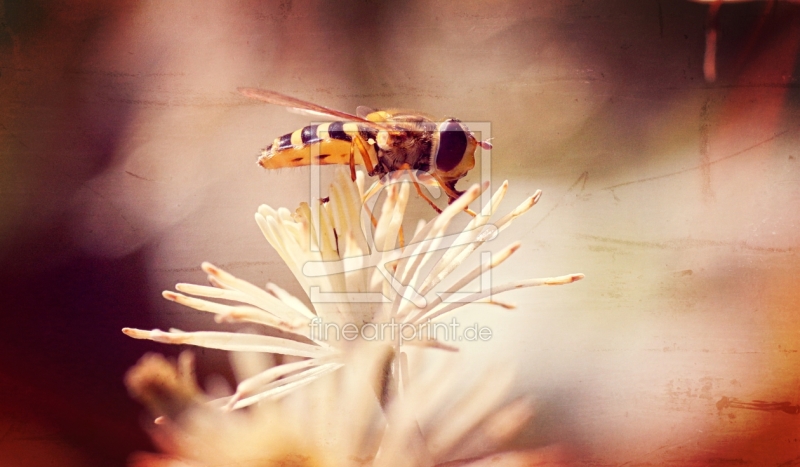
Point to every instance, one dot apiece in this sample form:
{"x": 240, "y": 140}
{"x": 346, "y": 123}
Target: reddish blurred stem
{"x": 712, "y": 28}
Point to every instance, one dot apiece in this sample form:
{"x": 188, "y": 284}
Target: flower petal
{"x": 236, "y": 342}
{"x": 560, "y": 280}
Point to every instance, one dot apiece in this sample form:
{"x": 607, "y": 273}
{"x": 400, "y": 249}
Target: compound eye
{"x": 452, "y": 146}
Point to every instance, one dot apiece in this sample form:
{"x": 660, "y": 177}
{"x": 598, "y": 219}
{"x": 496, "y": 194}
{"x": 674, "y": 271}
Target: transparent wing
{"x": 272, "y": 97}
{"x": 362, "y": 111}
{"x": 310, "y": 113}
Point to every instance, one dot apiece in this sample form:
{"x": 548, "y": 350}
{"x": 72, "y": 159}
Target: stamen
{"x": 560, "y": 280}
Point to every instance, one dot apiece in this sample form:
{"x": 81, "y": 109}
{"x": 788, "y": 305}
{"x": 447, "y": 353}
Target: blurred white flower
{"x": 337, "y": 421}
{"x": 352, "y": 277}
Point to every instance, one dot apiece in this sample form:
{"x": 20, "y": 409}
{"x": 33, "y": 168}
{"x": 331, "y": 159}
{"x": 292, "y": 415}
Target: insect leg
{"x": 353, "y": 161}
{"x": 375, "y": 188}
{"x": 467, "y": 210}
{"x": 371, "y": 216}
{"x": 422, "y": 195}
{"x": 365, "y": 156}
{"x": 419, "y": 190}
{"x": 401, "y": 237}
{"x": 358, "y": 142}
{"x": 452, "y": 195}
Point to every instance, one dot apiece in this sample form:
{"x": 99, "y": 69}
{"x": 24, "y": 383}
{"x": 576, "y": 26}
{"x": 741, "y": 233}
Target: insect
{"x": 383, "y": 141}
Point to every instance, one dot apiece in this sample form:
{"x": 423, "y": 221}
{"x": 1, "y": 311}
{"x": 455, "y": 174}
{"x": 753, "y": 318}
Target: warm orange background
{"x": 127, "y": 159}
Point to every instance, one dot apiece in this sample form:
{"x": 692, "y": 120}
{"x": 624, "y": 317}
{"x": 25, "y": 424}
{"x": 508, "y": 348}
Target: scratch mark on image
{"x": 684, "y": 243}
{"x": 678, "y": 172}
{"x": 582, "y": 178}
{"x": 139, "y": 177}
{"x": 705, "y": 161}
{"x": 733, "y": 403}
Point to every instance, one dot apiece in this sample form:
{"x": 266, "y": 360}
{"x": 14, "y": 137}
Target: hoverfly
{"x": 383, "y": 141}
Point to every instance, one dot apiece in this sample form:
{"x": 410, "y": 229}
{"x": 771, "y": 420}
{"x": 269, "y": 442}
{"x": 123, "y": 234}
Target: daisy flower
{"x": 358, "y": 272}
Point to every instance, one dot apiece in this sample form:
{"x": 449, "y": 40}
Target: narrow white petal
{"x": 387, "y": 210}
{"x": 277, "y": 243}
{"x": 285, "y": 215}
{"x": 213, "y": 292}
{"x": 523, "y": 207}
{"x": 497, "y": 259}
{"x": 465, "y": 244}
{"x": 290, "y": 300}
{"x": 421, "y": 248}
{"x": 288, "y": 384}
{"x": 260, "y": 297}
{"x": 235, "y": 295}
{"x": 258, "y": 382}
{"x": 437, "y": 227}
{"x": 560, "y": 280}
{"x": 238, "y": 313}
{"x": 232, "y": 341}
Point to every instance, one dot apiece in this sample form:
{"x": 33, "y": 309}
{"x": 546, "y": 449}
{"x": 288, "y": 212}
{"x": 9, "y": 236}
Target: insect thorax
{"x": 412, "y": 149}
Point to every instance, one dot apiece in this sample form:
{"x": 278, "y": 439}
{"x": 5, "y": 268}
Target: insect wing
{"x": 363, "y": 111}
{"x": 310, "y": 113}
{"x": 272, "y": 97}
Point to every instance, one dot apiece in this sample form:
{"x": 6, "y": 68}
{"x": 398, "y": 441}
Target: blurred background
{"x": 127, "y": 159}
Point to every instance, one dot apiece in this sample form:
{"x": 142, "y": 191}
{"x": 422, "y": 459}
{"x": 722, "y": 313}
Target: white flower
{"x": 337, "y": 421}
{"x": 353, "y": 276}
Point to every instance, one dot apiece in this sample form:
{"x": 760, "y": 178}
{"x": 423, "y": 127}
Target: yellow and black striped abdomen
{"x": 328, "y": 143}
